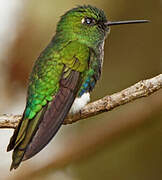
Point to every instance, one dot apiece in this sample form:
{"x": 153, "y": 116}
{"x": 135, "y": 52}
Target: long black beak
{"x": 112, "y": 23}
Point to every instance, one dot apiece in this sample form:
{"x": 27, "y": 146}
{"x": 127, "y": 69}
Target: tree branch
{"x": 96, "y": 136}
{"x": 143, "y": 88}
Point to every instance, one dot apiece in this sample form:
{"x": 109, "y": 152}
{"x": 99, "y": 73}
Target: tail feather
{"x": 20, "y": 143}
{"x": 14, "y": 137}
{"x": 17, "y": 158}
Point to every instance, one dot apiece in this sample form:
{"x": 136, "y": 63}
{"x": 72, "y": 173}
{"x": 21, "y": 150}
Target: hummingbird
{"x": 61, "y": 79}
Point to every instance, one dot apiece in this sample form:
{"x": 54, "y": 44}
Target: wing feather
{"x": 55, "y": 114}
{"x": 49, "y": 121}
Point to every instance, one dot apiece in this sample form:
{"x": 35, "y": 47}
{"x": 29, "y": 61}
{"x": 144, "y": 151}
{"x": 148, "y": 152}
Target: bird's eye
{"x": 88, "y": 21}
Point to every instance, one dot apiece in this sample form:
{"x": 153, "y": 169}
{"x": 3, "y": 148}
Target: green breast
{"x": 93, "y": 73}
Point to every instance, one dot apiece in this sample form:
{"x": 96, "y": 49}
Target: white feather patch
{"x": 79, "y": 103}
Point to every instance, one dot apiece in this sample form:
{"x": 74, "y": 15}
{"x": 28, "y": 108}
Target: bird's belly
{"x": 79, "y": 103}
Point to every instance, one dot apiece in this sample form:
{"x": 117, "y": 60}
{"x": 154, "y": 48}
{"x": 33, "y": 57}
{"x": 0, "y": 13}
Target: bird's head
{"x": 87, "y": 24}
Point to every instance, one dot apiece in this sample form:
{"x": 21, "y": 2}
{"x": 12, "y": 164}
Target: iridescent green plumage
{"x": 68, "y": 68}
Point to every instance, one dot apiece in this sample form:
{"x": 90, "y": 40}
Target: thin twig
{"x": 141, "y": 89}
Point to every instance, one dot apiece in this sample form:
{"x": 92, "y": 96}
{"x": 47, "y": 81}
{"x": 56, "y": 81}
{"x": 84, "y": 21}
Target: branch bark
{"x": 143, "y": 88}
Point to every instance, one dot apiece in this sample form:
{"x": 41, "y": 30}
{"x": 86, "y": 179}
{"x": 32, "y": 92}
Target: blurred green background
{"x": 123, "y": 144}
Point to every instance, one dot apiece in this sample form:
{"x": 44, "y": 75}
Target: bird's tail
{"x": 22, "y": 136}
